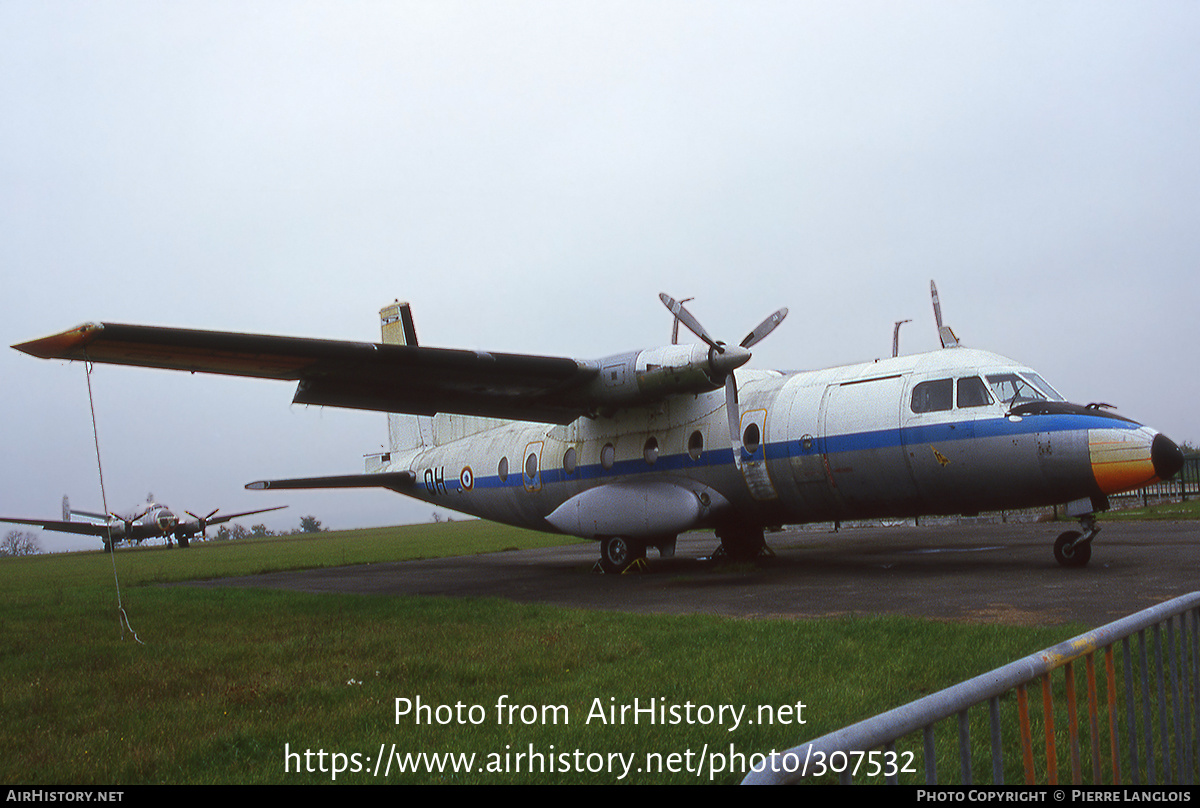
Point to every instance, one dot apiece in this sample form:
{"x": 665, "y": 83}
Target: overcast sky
{"x": 531, "y": 174}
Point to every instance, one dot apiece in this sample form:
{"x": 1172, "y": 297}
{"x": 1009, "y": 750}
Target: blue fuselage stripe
{"x": 829, "y": 445}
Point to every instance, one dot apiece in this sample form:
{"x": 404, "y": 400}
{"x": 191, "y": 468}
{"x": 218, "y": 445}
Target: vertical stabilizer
{"x": 396, "y": 323}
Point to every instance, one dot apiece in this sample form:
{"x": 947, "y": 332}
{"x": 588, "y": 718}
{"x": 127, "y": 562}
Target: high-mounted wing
{"x": 229, "y": 517}
{"x": 357, "y": 375}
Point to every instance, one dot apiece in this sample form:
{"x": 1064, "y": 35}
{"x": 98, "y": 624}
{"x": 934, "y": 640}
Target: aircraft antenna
{"x": 896, "y": 337}
{"x": 124, "y": 621}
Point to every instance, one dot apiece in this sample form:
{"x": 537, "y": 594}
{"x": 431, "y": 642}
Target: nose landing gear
{"x": 1073, "y": 549}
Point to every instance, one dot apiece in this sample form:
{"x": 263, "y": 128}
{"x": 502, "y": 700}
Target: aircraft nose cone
{"x": 1166, "y": 457}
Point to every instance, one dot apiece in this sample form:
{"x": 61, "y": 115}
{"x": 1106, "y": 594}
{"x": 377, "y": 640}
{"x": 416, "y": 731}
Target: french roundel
{"x": 466, "y": 478}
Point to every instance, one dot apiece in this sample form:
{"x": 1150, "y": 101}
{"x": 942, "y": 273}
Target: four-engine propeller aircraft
{"x": 152, "y": 522}
{"x": 635, "y": 448}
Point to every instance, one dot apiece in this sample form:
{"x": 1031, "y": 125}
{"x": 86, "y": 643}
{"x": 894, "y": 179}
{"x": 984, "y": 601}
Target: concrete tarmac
{"x": 1001, "y": 573}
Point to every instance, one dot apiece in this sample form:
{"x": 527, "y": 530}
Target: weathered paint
{"x": 837, "y": 443}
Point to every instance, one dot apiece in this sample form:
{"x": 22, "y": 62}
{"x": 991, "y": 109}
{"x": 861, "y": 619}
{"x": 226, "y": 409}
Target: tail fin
{"x": 404, "y": 431}
{"x": 66, "y": 509}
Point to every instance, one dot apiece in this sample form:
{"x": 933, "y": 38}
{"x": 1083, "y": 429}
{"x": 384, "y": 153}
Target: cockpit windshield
{"x": 1013, "y": 388}
{"x": 1044, "y": 386}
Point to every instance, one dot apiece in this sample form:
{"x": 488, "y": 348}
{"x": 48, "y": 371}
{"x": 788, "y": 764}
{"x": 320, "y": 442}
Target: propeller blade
{"x": 735, "y": 419}
{"x": 684, "y": 316}
{"x": 765, "y": 327}
{"x": 945, "y": 334}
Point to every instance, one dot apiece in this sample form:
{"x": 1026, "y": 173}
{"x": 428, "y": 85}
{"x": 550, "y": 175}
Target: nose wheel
{"x": 1073, "y": 549}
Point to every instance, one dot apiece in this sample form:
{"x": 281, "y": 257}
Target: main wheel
{"x": 743, "y": 545}
{"x": 1069, "y": 554}
{"x": 618, "y": 552}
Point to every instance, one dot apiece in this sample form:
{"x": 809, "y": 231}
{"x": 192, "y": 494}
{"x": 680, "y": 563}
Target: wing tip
{"x": 65, "y": 345}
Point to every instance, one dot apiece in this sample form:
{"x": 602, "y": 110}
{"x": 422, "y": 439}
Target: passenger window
{"x": 650, "y": 450}
{"x": 934, "y": 396}
{"x": 973, "y": 392}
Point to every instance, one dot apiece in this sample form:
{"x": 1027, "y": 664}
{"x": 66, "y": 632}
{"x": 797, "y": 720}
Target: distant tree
{"x": 310, "y": 524}
{"x": 20, "y": 543}
{"x": 222, "y": 533}
{"x": 237, "y": 532}
{"x": 260, "y": 531}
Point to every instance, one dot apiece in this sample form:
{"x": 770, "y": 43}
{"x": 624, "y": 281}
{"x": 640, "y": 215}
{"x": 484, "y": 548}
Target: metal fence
{"x": 1183, "y": 486}
{"x": 1135, "y": 719}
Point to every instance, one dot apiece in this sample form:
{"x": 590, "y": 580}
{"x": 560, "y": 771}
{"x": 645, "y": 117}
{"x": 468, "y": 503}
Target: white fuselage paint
{"x": 838, "y": 443}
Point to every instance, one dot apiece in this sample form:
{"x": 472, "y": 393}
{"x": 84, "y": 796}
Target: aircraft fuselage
{"x": 914, "y": 435}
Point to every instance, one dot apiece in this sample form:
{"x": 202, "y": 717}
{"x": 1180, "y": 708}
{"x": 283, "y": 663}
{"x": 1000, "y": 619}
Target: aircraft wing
{"x": 216, "y": 520}
{"x": 357, "y": 375}
{"x": 82, "y": 528}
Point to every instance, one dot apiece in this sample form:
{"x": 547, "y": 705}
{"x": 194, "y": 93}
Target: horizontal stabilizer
{"x": 399, "y": 481}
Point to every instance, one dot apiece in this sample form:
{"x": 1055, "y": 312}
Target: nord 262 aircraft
{"x": 635, "y": 448}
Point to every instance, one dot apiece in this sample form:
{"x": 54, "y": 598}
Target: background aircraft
{"x": 152, "y": 521}
{"x": 634, "y": 448}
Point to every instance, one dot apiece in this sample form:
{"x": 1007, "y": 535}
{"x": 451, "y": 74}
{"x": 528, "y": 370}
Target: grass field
{"x": 225, "y": 683}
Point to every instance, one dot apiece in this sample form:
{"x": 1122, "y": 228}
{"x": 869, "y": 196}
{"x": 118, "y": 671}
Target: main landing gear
{"x": 740, "y": 543}
{"x": 618, "y": 553}
{"x": 1074, "y": 549}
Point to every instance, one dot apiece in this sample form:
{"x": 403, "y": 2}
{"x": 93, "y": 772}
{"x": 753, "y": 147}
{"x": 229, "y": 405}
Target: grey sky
{"x": 531, "y": 175}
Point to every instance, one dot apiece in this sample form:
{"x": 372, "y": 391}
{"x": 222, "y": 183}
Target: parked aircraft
{"x": 153, "y": 521}
{"x": 635, "y": 448}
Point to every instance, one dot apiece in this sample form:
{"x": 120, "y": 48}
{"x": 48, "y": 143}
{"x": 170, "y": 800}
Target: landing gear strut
{"x": 1073, "y": 549}
{"x": 741, "y": 544}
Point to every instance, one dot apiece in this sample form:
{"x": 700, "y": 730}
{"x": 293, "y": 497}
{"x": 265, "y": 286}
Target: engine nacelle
{"x": 640, "y": 377}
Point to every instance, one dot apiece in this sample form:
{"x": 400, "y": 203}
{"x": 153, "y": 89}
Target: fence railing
{"x": 1183, "y": 486}
{"x": 1135, "y": 720}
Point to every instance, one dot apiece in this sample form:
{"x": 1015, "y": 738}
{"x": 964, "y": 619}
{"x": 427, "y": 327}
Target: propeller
{"x": 723, "y": 359}
{"x": 945, "y": 334}
{"x": 202, "y": 521}
{"x": 127, "y": 523}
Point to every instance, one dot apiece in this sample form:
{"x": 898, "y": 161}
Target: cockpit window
{"x": 972, "y": 392}
{"x": 935, "y": 396}
{"x": 1044, "y": 386}
{"x": 1012, "y": 389}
